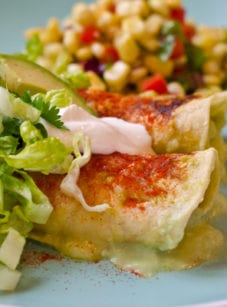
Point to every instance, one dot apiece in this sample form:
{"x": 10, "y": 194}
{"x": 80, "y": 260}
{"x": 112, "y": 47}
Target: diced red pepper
{"x": 188, "y": 30}
{"x": 178, "y": 14}
{"x": 178, "y": 49}
{"x": 156, "y": 83}
{"x": 89, "y": 34}
{"x": 110, "y": 55}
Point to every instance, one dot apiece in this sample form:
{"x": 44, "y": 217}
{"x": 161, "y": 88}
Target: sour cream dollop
{"x": 107, "y": 134}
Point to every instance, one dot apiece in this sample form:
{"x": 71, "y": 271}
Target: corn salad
{"x": 133, "y": 46}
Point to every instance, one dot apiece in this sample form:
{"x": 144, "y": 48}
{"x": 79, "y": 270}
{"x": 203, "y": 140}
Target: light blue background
{"x": 18, "y": 15}
{"x": 66, "y": 283}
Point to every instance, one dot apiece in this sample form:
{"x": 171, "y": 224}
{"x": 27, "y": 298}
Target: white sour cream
{"x": 107, "y": 134}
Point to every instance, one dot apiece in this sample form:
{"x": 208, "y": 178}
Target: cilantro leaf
{"x": 48, "y": 112}
{"x": 11, "y": 126}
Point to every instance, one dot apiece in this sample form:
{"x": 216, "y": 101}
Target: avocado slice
{"x": 20, "y": 75}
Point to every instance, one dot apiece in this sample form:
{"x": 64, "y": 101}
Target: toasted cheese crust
{"x": 137, "y": 109}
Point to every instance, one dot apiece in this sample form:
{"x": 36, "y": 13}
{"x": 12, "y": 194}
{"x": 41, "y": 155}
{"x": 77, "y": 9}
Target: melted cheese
{"x": 202, "y": 243}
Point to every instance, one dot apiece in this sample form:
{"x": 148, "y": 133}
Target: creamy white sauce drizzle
{"x": 107, "y": 134}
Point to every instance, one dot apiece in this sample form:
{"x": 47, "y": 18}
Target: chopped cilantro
{"x": 48, "y": 112}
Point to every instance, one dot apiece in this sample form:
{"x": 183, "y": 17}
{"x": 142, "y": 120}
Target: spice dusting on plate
{"x": 36, "y": 258}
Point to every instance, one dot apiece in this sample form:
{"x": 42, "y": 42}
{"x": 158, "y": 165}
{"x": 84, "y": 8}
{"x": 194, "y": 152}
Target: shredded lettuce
{"x": 42, "y": 156}
{"x": 21, "y": 205}
{"x": 33, "y": 48}
{"x": 59, "y": 98}
{"x": 61, "y": 63}
{"x": 79, "y": 80}
{"x": 38, "y": 154}
{"x": 75, "y": 78}
{"x": 8, "y": 144}
{"x": 25, "y": 146}
{"x": 81, "y": 143}
{"x": 15, "y": 107}
{"x": 29, "y": 133}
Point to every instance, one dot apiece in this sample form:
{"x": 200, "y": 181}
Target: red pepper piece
{"x": 178, "y": 14}
{"x": 156, "y": 83}
{"x": 178, "y": 49}
{"x": 188, "y": 30}
{"x": 89, "y": 34}
{"x": 110, "y": 55}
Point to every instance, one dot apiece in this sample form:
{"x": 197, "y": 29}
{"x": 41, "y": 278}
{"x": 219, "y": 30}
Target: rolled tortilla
{"x": 153, "y": 200}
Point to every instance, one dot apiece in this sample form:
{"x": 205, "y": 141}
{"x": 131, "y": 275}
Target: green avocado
{"x": 20, "y": 75}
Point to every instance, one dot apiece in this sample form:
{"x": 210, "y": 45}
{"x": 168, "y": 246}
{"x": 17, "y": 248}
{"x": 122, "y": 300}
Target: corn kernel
{"x": 45, "y": 37}
{"x": 137, "y": 74}
{"x": 69, "y": 23}
{"x": 108, "y": 24}
{"x": 127, "y": 8}
{"x": 116, "y": 77}
{"x": 174, "y": 3}
{"x": 127, "y": 48}
{"x": 83, "y": 53}
{"x": 133, "y": 25}
{"x": 220, "y": 50}
{"x": 83, "y": 14}
{"x": 204, "y": 41}
{"x": 52, "y": 50}
{"x": 151, "y": 44}
{"x": 212, "y": 80}
{"x": 207, "y": 37}
{"x": 211, "y": 67}
{"x": 148, "y": 94}
{"x": 74, "y": 68}
{"x": 155, "y": 65}
{"x": 53, "y": 28}
{"x": 159, "y": 6}
{"x": 96, "y": 82}
{"x": 176, "y": 88}
{"x": 71, "y": 40}
{"x": 106, "y": 19}
{"x": 105, "y": 4}
{"x": 153, "y": 24}
{"x": 97, "y": 49}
